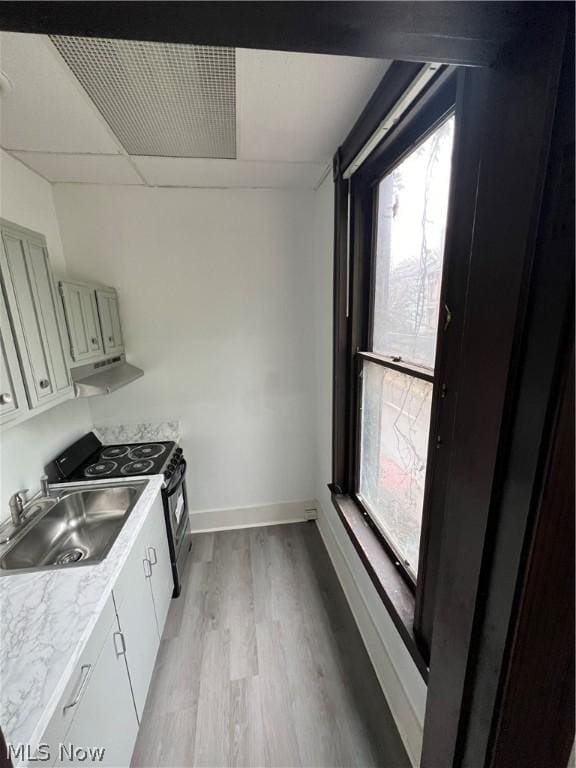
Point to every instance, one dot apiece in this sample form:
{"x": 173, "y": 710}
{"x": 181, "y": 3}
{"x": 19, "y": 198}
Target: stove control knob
{"x": 168, "y": 474}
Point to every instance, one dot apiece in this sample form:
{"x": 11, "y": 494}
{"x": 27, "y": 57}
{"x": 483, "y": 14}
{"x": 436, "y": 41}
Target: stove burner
{"x": 147, "y": 451}
{"x": 137, "y": 467}
{"x": 100, "y": 468}
{"x": 114, "y": 452}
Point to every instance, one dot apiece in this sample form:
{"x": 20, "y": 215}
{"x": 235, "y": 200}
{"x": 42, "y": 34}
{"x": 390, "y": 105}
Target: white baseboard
{"x": 251, "y": 517}
{"x": 381, "y": 649}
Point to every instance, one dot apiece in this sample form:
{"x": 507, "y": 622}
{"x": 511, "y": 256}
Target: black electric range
{"x": 88, "y": 460}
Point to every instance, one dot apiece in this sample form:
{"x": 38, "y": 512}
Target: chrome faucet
{"x": 17, "y": 503}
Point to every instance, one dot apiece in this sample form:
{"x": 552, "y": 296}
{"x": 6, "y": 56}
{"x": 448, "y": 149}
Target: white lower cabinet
{"x": 103, "y": 701}
{"x": 96, "y": 709}
{"x": 142, "y": 597}
{"x": 105, "y": 726}
{"x": 161, "y": 580}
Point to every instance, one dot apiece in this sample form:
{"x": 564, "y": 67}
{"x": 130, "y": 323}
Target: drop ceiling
{"x": 120, "y": 112}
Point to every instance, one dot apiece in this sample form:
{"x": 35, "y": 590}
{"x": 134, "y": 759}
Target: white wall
{"x": 403, "y": 685}
{"x": 26, "y": 199}
{"x": 216, "y": 301}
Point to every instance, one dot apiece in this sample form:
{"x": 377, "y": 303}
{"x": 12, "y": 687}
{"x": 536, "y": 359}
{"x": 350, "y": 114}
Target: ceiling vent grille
{"x": 159, "y": 98}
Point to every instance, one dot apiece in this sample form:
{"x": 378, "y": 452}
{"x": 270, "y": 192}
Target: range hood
{"x": 104, "y": 377}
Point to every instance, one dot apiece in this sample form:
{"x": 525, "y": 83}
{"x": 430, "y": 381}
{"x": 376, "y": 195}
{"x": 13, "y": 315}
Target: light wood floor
{"x": 261, "y": 663}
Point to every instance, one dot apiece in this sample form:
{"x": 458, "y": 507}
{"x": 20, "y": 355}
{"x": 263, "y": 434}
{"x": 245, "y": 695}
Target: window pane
{"x": 412, "y": 209}
{"x": 394, "y": 446}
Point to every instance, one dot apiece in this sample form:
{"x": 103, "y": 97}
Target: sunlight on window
{"x": 412, "y": 208}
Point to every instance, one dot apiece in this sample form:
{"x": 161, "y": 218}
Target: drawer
{"x": 63, "y": 717}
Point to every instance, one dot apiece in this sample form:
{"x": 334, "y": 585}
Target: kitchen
{"x": 153, "y": 273}
{"x": 176, "y": 587}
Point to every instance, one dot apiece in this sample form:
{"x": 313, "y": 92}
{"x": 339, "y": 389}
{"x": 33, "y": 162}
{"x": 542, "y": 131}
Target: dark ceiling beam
{"x": 453, "y": 32}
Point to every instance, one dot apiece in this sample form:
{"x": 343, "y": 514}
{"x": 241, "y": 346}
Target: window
{"x": 396, "y": 350}
{"x": 397, "y": 370}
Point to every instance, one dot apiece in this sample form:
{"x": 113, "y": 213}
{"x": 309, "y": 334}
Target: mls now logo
{"x": 80, "y": 754}
{"x": 66, "y": 752}
{"x": 23, "y": 752}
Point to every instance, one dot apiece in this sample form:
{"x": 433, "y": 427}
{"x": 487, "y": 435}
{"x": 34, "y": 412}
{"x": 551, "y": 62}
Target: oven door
{"x": 177, "y": 504}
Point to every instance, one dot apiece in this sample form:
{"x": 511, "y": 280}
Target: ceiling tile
{"x": 47, "y": 110}
{"x": 294, "y": 106}
{"x": 159, "y": 98}
{"x": 89, "y": 169}
{"x": 193, "y": 172}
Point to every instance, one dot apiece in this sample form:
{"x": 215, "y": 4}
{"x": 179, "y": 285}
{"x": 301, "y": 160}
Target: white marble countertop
{"x": 46, "y": 619}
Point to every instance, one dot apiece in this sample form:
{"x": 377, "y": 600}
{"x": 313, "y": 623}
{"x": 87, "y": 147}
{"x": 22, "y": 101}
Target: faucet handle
{"x": 17, "y": 503}
{"x": 44, "y": 485}
{"x": 20, "y": 496}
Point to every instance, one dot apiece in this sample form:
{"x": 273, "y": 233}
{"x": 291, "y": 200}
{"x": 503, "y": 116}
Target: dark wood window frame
{"x": 482, "y": 521}
{"x": 356, "y": 200}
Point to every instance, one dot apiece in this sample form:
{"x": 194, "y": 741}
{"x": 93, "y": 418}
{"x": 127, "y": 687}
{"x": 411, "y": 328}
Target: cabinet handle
{"x": 153, "y": 550}
{"x": 110, "y": 338}
{"x": 5, "y": 398}
{"x": 121, "y": 636}
{"x": 85, "y": 670}
{"x": 147, "y": 571}
{"x": 94, "y": 341}
{"x": 44, "y": 383}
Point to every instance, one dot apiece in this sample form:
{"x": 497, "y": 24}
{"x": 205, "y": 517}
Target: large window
{"x": 400, "y": 292}
{"x": 410, "y": 206}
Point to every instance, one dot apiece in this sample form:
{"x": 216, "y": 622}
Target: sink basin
{"x": 78, "y": 529}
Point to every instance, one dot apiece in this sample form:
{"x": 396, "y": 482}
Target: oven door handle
{"x": 182, "y": 470}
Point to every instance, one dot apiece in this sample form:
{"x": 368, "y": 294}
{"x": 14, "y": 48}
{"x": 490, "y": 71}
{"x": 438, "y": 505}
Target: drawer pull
{"x": 122, "y": 652}
{"x": 44, "y": 383}
{"x": 5, "y": 398}
{"x": 153, "y": 550}
{"x": 84, "y": 670}
{"x": 147, "y": 568}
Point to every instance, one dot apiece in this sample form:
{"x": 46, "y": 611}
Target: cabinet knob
{"x": 94, "y": 340}
{"x": 110, "y": 338}
{"x": 44, "y": 383}
{"x": 5, "y": 398}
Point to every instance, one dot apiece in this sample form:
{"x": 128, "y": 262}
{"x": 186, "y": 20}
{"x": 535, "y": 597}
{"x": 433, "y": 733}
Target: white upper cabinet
{"x": 32, "y": 305}
{"x": 107, "y": 301}
{"x": 12, "y": 395}
{"x": 82, "y": 321}
{"x": 93, "y": 321}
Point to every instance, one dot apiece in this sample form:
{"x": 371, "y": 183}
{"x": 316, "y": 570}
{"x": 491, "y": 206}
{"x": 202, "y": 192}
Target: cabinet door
{"x": 105, "y": 718}
{"x": 136, "y": 616}
{"x": 161, "y": 581}
{"x": 12, "y": 395}
{"x": 107, "y": 301}
{"x": 64, "y": 714}
{"x": 49, "y": 306}
{"x": 93, "y": 322}
{"x": 82, "y": 320}
{"x": 31, "y": 302}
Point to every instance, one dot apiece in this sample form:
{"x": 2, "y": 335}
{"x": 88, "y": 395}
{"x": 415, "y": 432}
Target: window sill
{"x": 393, "y": 590}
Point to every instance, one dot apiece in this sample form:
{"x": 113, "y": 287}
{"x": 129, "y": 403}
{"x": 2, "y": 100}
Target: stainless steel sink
{"x": 79, "y": 528}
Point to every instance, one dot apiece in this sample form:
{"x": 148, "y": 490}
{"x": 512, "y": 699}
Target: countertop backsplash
{"x": 141, "y": 432}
